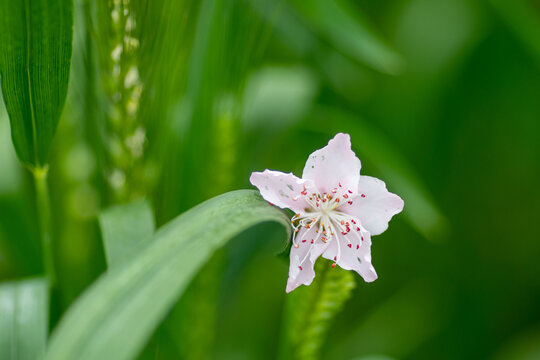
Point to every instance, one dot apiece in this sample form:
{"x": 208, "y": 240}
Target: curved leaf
{"x": 119, "y": 312}
{"x": 24, "y": 307}
{"x": 35, "y": 54}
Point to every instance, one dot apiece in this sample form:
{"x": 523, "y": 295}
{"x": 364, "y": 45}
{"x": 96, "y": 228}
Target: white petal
{"x": 355, "y": 257}
{"x": 281, "y": 189}
{"x": 374, "y": 206}
{"x": 334, "y": 164}
{"x": 303, "y": 257}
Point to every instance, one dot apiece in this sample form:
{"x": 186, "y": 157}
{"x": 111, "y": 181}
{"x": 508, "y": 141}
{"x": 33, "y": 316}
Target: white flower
{"x": 337, "y": 210}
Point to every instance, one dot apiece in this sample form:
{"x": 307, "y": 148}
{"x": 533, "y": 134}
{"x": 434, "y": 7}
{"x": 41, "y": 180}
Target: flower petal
{"x": 281, "y": 189}
{"x": 352, "y": 253}
{"x": 374, "y": 205}
{"x": 334, "y": 164}
{"x": 303, "y": 257}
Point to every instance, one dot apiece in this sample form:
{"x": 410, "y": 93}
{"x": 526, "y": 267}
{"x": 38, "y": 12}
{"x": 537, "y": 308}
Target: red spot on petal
{"x": 339, "y": 184}
{"x": 335, "y": 258}
{"x": 350, "y": 192}
{"x": 271, "y": 203}
{"x": 350, "y": 245}
{"x": 349, "y": 202}
{"x": 300, "y": 268}
{"x": 303, "y": 240}
{"x": 312, "y": 241}
{"x": 362, "y": 238}
{"x": 357, "y": 229}
{"x": 363, "y": 195}
{"x": 354, "y": 222}
{"x": 357, "y": 247}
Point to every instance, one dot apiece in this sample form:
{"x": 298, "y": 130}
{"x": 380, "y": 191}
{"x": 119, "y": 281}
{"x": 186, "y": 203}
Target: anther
{"x": 296, "y": 246}
{"x": 333, "y": 265}
{"x": 345, "y": 196}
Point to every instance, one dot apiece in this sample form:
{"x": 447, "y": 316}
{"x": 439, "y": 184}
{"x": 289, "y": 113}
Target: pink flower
{"x": 337, "y": 210}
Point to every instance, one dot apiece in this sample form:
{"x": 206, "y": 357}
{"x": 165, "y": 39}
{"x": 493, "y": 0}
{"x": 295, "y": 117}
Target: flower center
{"x": 329, "y": 222}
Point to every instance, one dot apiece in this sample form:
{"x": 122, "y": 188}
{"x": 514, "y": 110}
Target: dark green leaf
{"x": 118, "y": 314}
{"x": 24, "y": 308}
{"x": 35, "y": 54}
{"x": 125, "y": 228}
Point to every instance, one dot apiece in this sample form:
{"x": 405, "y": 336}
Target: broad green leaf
{"x": 420, "y": 210}
{"x": 118, "y": 313}
{"x": 24, "y": 308}
{"x": 339, "y": 22}
{"x": 35, "y": 54}
{"x": 124, "y": 228}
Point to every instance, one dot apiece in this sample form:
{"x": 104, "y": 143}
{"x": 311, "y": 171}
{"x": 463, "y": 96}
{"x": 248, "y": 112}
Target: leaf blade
{"x": 35, "y": 55}
{"x": 24, "y": 307}
{"x": 119, "y": 312}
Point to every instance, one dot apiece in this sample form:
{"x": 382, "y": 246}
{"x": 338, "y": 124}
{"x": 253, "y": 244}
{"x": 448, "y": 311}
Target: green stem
{"x": 44, "y": 214}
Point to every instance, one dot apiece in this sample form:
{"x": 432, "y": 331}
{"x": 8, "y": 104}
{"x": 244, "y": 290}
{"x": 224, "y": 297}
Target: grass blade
{"x": 35, "y": 55}
{"x": 118, "y": 314}
{"x": 24, "y": 307}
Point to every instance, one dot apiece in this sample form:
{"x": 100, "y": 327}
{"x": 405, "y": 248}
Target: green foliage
{"x": 118, "y": 313}
{"x": 24, "y": 314}
{"x": 311, "y": 310}
{"x": 35, "y": 55}
{"x": 125, "y": 228}
{"x": 349, "y": 32}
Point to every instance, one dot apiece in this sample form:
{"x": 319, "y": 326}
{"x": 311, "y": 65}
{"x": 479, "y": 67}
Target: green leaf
{"x": 118, "y": 313}
{"x": 124, "y": 229}
{"x": 24, "y": 308}
{"x": 35, "y": 54}
{"x": 340, "y": 23}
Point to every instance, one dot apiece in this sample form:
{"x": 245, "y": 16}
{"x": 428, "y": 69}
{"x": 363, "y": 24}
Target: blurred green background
{"x": 441, "y": 98}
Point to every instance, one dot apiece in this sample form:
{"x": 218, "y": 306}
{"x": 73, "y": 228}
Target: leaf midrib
{"x": 29, "y": 81}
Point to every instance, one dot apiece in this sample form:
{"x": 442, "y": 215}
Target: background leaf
{"x": 124, "y": 228}
{"x": 35, "y": 54}
{"x": 346, "y": 30}
{"x": 24, "y": 307}
{"x": 119, "y": 312}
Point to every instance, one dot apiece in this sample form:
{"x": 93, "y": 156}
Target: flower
{"x": 337, "y": 210}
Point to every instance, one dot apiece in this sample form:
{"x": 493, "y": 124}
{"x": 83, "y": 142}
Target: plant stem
{"x": 44, "y": 214}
